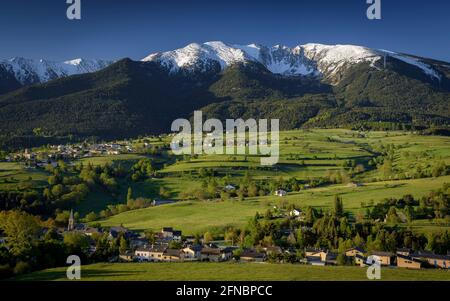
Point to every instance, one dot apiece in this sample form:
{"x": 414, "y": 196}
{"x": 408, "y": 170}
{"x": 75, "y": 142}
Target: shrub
{"x": 22, "y": 267}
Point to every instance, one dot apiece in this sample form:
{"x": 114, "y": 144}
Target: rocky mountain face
{"x": 315, "y": 60}
{"x": 20, "y": 71}
{"x": 310, "y": 85}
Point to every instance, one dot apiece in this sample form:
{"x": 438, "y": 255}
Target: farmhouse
{"x": 210, "y": 254}
{"x": 322, "y": 255}
{"x": 153, "y": 253}
{"x": 408, "y": 262}
{"x": 385, "y": 258}
{"x": 215, "y": 254}
{"x": 192, "y": 252}
{"x": 360, "y": 260}
{"x": 169, "y": 233}
{"x": 437, "y": 261}
{"x": 352, "y": 252}
{"x": 295, "y": 212}
{"x": 280, "y": 193}
{"x": 404, "y": 251}
{"x": 126, "y": 257}
{"x": 251, "y": 255}
{"x": 230, "y": 187}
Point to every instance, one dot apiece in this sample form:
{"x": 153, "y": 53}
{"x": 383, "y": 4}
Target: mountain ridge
{"x": 130, "y": 98}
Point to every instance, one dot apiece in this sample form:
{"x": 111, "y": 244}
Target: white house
{"x": 280, "y": 192}
{"x": 295, "y": 212}
{"x": 230, "y": 187}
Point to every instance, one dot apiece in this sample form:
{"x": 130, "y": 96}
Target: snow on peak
{"x": 30, "y": 71}
{"x": 412, "y": 61}
{"x": 310, "y": 59}
{"x": 194, "y": 55}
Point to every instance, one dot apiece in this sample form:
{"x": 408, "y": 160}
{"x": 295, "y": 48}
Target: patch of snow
{"x": 29, "y": 71}
{"x": 413, "y": 61}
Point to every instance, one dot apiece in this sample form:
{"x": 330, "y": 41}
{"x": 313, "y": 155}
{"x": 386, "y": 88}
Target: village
{"x": 69, "y": 152}
{"x": 170, "y": 245}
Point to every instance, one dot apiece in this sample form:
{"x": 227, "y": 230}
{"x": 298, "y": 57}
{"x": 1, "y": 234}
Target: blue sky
{"x": 136, "y": 28}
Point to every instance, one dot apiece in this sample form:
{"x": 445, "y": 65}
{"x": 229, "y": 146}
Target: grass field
{"x": 15, "y": 176}
{"x": 232, "y": 271}
{"x": 198, "y": 216}
{"x": 304, "y": 154}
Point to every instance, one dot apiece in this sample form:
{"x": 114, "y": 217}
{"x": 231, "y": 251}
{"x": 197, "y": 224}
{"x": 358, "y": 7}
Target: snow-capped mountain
{"x": 306, "y": 60}
{"x": 30, "y": 71}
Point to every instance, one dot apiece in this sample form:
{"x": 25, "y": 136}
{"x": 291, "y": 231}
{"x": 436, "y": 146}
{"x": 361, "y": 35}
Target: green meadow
{"x": 198, "y": 216}
{"x": 198, "y": 271}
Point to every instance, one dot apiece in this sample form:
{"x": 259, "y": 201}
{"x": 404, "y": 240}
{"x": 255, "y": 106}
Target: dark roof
{"x": 313, "y": 258}
{"x": 196, "y": 248}
{"x": 118, "y": 229}
{"x": 167, "y": 229}
{"x": 210, "y": 251}
{"x": 176, "y": 232}
{"x": 172, "y": 252}
{"x": 409, "y": 258}
{"x": 431, "y": 256}
{"x": 379, "y": 253}
{"x": 158, "y": 249}
{"x": 357, "y": 249}
{"x": 252, "y": 253}
{"x": 276, "y": 250}
{"x": 360, "y": 257}
{"x": 228, "y": 249}
{"x": 404, "y": 250}
{"x": 314, "y": 250}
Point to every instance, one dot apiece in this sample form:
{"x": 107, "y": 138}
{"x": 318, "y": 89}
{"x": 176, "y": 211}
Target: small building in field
{"x": 210, "y": 254}
{"x": 153, "y": 253}
{"x": 171, "y": 234}
{"x": 318, "y": 253}
{"x": 295, "y": 212}
{"x": 360, "y": 260}
{"x": 385, "y": 258}
{"x": 281, "y": 193}
{"x": 230, "y": 187}
{"x": 352, "y": 252}
{"x": 126, "y": 257}
{"x": 251, "y": 255}
{"x": 408, "y": 262}
{"x": 192, "y": 252}
{"x": 404, "y": 251}
{"x": 436, "y": 261}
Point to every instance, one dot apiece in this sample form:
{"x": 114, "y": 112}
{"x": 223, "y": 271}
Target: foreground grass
{"x": 232, "y": 271}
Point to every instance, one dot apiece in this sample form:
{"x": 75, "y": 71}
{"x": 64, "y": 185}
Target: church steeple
{"x": 71, "y": 225}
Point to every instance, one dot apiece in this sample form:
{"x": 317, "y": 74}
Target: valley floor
{"x": 231, "y": 271}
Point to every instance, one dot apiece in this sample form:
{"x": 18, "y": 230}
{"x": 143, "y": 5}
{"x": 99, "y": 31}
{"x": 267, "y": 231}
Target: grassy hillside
{"x": 198, "y": 216}
{"x": 232, "y": 271}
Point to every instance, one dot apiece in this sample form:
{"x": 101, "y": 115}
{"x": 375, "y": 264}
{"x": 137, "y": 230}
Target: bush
{"x": 22, "y": 267}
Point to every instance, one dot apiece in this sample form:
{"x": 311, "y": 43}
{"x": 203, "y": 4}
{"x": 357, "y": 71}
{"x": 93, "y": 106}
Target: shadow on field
{"x": 86, "y": 273}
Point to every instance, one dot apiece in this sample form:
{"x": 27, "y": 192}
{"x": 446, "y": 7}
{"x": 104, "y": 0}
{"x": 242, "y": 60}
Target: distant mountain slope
{"x": 327, "y": 61}
{"x": 322, "y": 86}
{"x": 28, "y": 71}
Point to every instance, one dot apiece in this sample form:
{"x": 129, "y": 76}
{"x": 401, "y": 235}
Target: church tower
{"x": 71, "y": 225}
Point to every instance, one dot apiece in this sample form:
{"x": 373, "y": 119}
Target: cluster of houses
{"x": 68, "y": 152}
{"x": 403, "y": 258}
{"x": 160, "y": 250}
